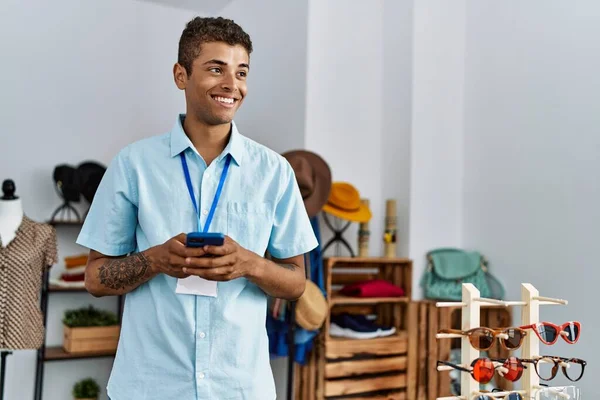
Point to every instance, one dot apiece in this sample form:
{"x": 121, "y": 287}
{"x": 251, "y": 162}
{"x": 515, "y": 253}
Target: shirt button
{"x": 202, "y": 335}
{"x": 200, "y": 375}
{"x": 205, "y": 212}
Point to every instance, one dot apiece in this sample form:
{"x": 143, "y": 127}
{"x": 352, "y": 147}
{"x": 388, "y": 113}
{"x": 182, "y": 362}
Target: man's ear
{"x": 180, "y": 76}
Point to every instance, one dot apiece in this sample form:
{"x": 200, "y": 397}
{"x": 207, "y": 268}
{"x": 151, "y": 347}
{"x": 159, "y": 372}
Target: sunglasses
{"x": 548, "y": 333}
{"x": 483, "y": 338}
{"x": 546, "y": 367}
{"x": 483, "y": 369}
{"x": 510, "y": 396}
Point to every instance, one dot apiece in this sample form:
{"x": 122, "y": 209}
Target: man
{"x": 183, "y": 337}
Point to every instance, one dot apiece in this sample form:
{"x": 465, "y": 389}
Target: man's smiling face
{"x": 216, "y": 86}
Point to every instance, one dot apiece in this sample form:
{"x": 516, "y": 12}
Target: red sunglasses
{"x": 483, "y": 369}
{"x": 548, "y": 333}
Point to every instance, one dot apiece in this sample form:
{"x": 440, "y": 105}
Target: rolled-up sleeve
{"x": 292, "y": 233}
{"x": 111, "y": 222}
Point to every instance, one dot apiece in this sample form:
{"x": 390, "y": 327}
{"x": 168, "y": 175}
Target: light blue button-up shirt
{"x": 179, "y": 346}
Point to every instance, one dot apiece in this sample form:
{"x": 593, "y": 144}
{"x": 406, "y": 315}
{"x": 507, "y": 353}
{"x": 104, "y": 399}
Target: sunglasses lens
{"x": 514, "y": 396}
{"x": 546, "y": 369}
{"x": 482, "y": 339}
{"x": 547, "y": 333}
{"x": 515, "y": 369}
{"x": 574, "y": 371}
{"x": 483, "y": 371}
{"x": 515, "y": 337}
{"x": 572, "y": 332}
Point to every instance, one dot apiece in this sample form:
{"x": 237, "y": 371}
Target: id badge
{"x": 196, "y": 286}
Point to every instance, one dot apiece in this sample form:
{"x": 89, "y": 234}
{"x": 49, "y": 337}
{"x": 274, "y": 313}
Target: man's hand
{"x": 280, "y": 278}
{"x": 220, "y": 263}
{"x": 169, "y": 257}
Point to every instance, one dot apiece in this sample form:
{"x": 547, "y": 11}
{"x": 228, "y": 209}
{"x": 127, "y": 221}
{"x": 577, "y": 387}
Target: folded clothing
{"x": 357, "y": 327}
{"x": 76, "y": 261}
{"x": 373, "y": 288}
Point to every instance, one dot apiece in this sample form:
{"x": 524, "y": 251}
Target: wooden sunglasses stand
{"x": 471, "y": 303}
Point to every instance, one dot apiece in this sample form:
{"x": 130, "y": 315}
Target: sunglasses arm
{"x": 498, "y": 394}
{"x": 548, "y": 300}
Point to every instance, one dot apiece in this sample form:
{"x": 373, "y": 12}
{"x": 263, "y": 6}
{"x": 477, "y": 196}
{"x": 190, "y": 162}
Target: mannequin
{"x": 11, "y": 213}
{"x": 11, "y": 217}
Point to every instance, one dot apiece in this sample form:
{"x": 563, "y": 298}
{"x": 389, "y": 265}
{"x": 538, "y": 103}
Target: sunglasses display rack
{"x": 470, "y": 314}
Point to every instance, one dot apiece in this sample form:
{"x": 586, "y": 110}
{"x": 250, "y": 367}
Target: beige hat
{"x": 311, "y": 307}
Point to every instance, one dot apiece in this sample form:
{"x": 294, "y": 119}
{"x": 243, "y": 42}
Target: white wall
{"x": 344, "y": 101}
{"x": 83, "y": 80}
{"x": 437, "y": 129}
{"x": 532, "y": 153}
{"x": 274, "y": 111}
{"x": 79, "y": 81}
{"x": 397, "y": 110}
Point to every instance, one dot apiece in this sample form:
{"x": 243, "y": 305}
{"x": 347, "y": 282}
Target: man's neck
{"x": 209, "y": 140}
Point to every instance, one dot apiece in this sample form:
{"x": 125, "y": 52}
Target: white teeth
{"x": 224, "y": 99}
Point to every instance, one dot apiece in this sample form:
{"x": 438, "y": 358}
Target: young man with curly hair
{"x": 194, "y": 318}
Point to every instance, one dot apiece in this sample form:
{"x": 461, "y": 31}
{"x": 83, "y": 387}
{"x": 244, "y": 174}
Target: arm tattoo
{"x": 122, "y": 273}
{"x": 291, "y": 267}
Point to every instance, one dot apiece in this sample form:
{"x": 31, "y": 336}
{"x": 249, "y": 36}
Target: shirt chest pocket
{"x": 250, "y": 224}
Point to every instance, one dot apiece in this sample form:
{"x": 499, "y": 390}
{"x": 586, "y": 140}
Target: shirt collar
{"x": 180, "y": 142}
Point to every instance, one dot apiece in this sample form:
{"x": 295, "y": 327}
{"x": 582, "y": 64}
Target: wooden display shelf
{"x": 65, "y": 223}
{"x": 58, "y": 353}
{"x": 353, "y": 386}
{"x": 58, "y": 288}
{"x": 362, "y": 369}
{"x": 360, "y": 261}
{"x": 339, "y": 299}
{"x": 396, "y": 395}
{"x": 368, "y": 366}
{"x": 342, "y": 347}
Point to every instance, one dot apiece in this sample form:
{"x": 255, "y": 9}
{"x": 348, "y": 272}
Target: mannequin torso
{"x": 11, "y": 214}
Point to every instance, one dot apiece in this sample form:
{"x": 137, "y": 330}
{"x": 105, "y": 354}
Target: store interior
{"x": 463, "y": 135}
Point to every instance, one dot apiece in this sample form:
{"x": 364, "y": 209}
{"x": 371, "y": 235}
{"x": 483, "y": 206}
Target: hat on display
{"x": 311, "y": 307}
{"x": 313, "y": 177}
{"x": 90, "y": 175}
{"x": 344, "y": 202}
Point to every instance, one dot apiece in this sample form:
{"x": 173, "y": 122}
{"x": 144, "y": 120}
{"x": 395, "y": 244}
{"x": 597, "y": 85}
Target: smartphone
{"x": 201, "y": 239}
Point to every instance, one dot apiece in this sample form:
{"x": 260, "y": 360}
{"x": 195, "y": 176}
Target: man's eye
{"x": 215, "y": 70}
{"x": 243, "y": 74}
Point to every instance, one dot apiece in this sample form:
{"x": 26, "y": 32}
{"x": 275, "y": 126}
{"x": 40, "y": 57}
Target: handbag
{"x": 448, "y": 268}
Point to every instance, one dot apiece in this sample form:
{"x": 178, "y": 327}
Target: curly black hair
{"x": 209, "y": 29}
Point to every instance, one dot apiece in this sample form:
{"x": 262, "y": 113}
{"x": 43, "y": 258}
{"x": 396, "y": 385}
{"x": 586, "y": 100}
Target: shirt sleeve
{"x": 110, "y": 225}
{"x": 292, "y": 233}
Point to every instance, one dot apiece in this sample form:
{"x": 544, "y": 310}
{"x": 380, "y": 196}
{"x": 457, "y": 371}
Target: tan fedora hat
{"x": 311, "y": 307}
{"x": 313, "y": 176}
{"x": 344, "y": 202}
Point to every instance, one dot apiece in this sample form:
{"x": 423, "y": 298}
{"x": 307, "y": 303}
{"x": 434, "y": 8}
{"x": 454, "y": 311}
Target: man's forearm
{"x": 115, "y": 276}
{"x": 281, "y": 280}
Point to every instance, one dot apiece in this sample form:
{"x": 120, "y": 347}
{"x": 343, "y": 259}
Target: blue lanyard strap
{"x": 188, "y": 181}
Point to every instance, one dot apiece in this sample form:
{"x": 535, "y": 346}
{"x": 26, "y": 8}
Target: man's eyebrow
{"x": 220, "y": 62}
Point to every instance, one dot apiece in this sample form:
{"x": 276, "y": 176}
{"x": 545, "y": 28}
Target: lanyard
{"x": 188, "y": 181}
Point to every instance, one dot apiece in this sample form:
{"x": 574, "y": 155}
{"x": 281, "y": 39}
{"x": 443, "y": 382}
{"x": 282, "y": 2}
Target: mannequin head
{"x": 8, "y": 190}
{"x": 10, "y": 204}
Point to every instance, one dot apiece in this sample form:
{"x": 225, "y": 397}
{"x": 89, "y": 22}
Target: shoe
{"x": 357, "y": 327}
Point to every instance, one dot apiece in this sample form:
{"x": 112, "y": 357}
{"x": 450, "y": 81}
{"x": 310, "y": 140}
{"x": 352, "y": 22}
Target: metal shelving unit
{"x": 57, "y": 353}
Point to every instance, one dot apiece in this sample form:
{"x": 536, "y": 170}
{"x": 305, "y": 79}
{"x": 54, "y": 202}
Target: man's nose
{"x": 228, "y": 83}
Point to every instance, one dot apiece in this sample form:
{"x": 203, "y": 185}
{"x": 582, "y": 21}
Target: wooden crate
{"x": 90, "y": 339}
{"x": 375, "y": 369}
{"x": 425, "y": 320}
